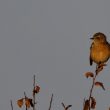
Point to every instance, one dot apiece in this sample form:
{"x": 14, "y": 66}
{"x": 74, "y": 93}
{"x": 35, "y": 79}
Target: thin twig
{"x": 51, "y": 102}
{"x": 63, "y": 105}
{"x": 93, "y": 84}
{"x": 34, "y": 93}
{"x": 66, "y": 107}
{"x": 25, "y": 98}
{"x": 11, "y": 104}
{"x": 92, "y": 88}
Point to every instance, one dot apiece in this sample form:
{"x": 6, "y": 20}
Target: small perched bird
{"x": 100, "y": 49}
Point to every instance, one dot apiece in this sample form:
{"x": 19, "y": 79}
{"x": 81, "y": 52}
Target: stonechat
{"x": 100, "y": 49}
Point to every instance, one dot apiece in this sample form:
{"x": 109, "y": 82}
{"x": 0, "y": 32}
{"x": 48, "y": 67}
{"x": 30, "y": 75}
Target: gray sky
{"x": 50, "y": 38}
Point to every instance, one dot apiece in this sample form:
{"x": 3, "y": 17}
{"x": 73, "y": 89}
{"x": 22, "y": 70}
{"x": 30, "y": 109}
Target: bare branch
{"x": 11, "y": 104}
{"x": 66, "y": 107}
{"x": 51, "y": 102}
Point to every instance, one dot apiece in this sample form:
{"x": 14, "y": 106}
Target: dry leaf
{"x": 27, "y": 102}
{"x": 93, "y": 103}
{"x": 102, "y": 64}
{"x": 89, "y": 74}
{"x": 100, "y": 67}
{"x": 99, "y": 84}
{"x": 31, "y": 103}
{"x": 20, "y": 102}
{"x": 36, "y": 89}
{"x": 86, "y": 105}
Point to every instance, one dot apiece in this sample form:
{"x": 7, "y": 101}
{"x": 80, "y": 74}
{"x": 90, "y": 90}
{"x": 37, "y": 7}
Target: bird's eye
{"x": 98, "y": 37}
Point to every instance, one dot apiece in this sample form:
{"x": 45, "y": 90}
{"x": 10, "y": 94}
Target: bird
{"x": 99, "y": 49}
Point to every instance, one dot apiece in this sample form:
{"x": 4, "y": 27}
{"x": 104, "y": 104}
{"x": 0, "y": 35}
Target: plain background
{"x": 50, "y": 38}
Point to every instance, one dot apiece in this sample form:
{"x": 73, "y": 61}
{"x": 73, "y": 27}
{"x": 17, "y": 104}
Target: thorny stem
{"x": 93, "y": 83}
{"x": 92, "y": 90}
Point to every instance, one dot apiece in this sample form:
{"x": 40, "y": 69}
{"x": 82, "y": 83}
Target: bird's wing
{"x": 109, "y": 48}
{"x": 90, "y": 59}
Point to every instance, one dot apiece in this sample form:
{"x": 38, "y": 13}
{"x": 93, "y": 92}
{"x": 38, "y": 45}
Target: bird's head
{"x": 98, "y": 38}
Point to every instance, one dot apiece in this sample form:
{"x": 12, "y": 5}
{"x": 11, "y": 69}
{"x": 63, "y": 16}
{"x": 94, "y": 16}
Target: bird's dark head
{"x": 98, "y": 38}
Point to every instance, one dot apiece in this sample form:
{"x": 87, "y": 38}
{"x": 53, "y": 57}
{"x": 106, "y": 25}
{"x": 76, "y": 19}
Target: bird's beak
{"x": 92, "y": 38}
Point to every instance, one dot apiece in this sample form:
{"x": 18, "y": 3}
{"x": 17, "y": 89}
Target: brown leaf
{"x": 89, "y": 74}
{"x": 99, "y": 70}
{"x": 93, "y": 103}
{"x": 27, "y": 102}
{"x": 100, "y": 84}
{"x": 36, "y": 89}
{"x": 31, "y": 103}
{"x": 86, "y": 105}
{"x": 20, "y": 102}
{"x": 100, "y": 67}
{"x": 102, "y": 64}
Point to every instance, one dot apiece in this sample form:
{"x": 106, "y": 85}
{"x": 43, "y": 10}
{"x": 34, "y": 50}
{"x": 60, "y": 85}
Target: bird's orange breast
{"x": 100, "y": 53}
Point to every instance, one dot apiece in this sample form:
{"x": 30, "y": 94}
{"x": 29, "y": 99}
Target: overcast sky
{"x": 50, "y": 38}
